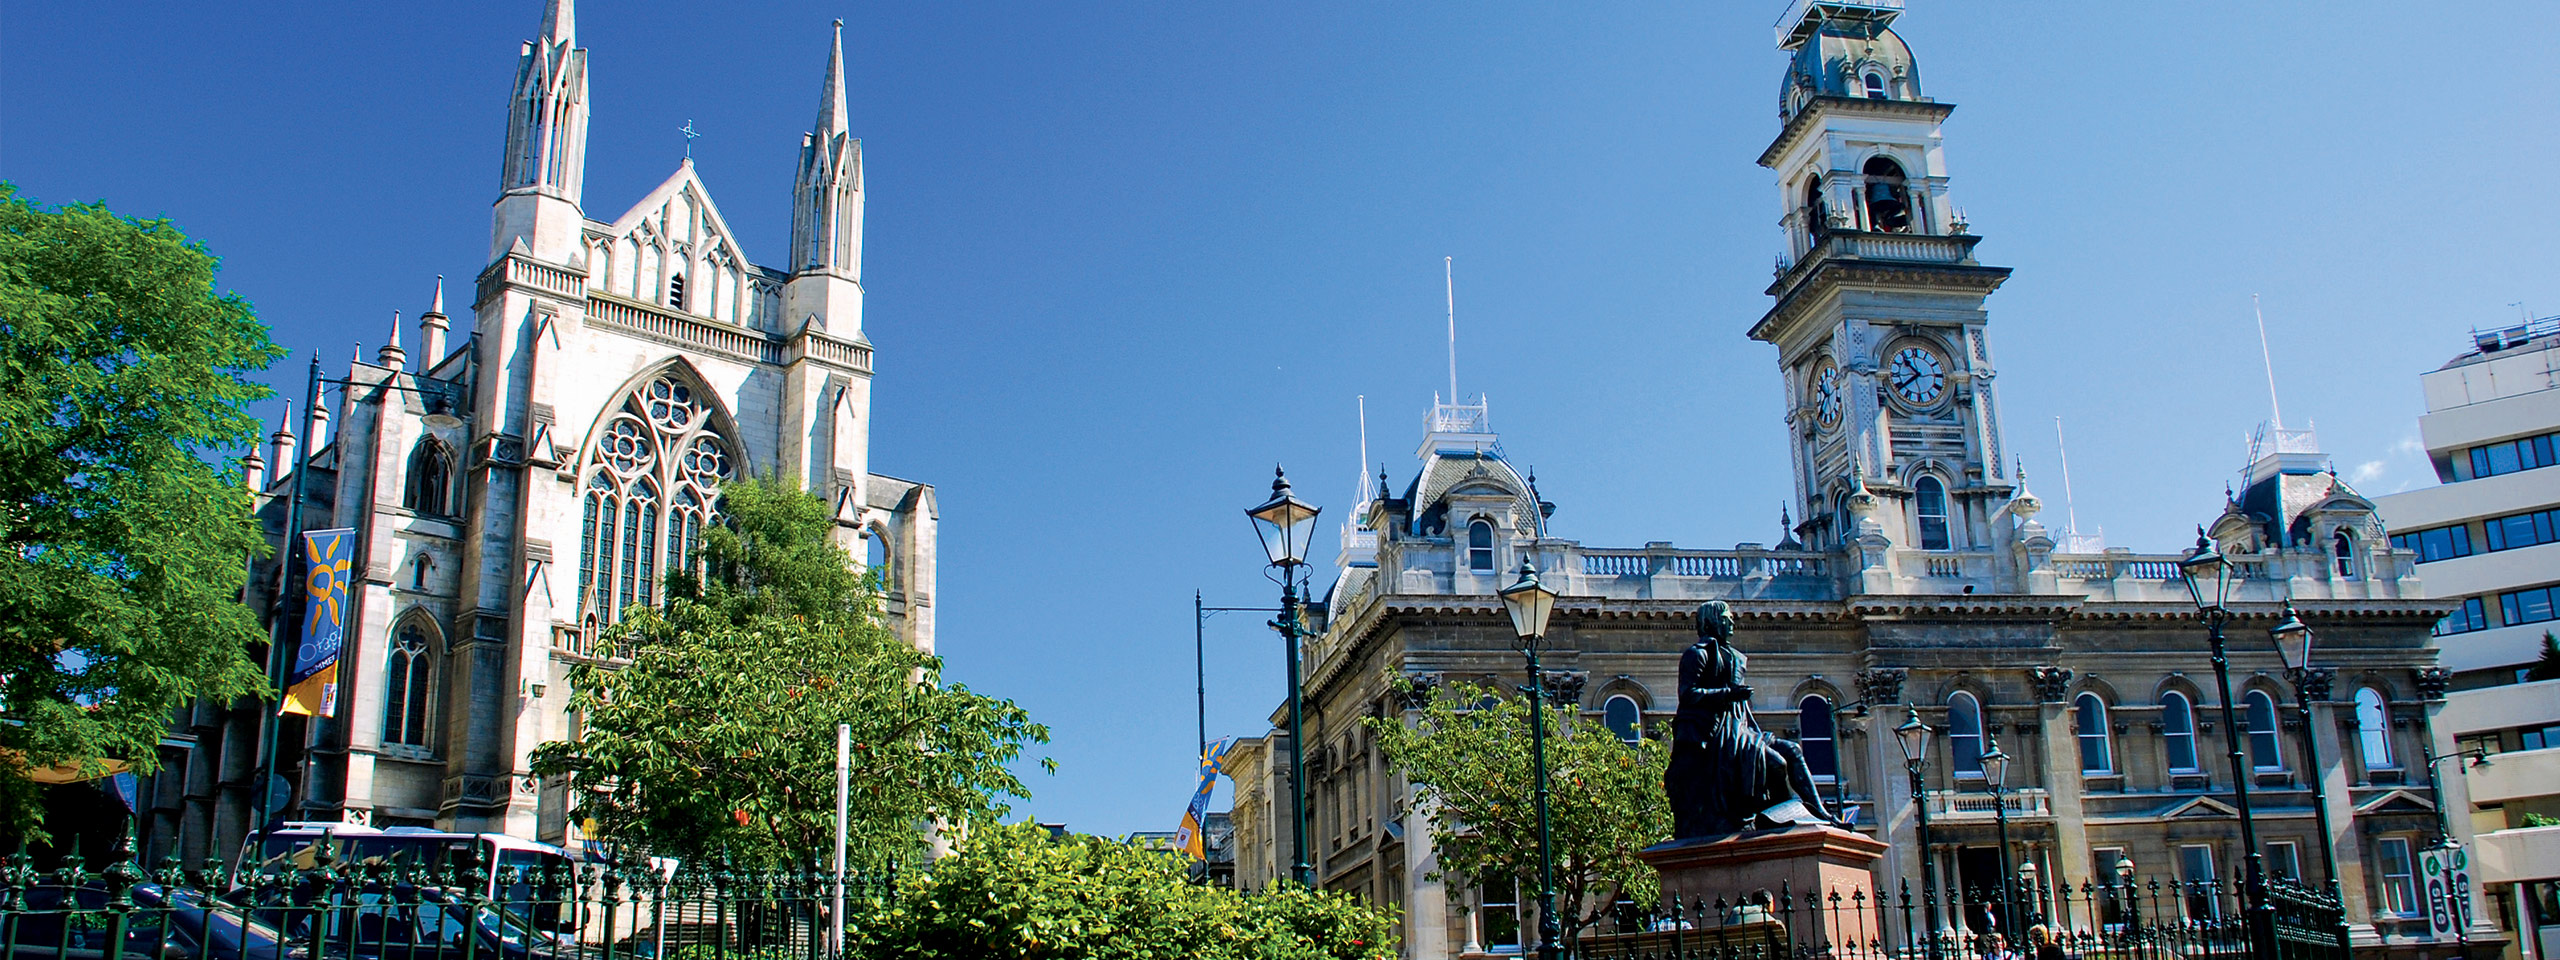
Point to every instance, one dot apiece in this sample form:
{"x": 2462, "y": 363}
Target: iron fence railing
{"x": 2133, "y": 920}
{"x": 401, "y": 910}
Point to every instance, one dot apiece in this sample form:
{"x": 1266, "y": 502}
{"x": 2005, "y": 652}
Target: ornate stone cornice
{"x": 1822, "y": 106}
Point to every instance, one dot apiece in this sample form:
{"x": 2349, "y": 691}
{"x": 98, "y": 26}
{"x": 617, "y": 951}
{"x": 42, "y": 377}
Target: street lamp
{"x": 1913, "y": 736}
{"x": 2208, "y": 575}
{"x": 1995, "y": 774}
{"x": 1285, "y": 524}
{"x": 1530, "y": 604}
{"x": 2029, "y": 891}
{"x": 2292, "y": 639}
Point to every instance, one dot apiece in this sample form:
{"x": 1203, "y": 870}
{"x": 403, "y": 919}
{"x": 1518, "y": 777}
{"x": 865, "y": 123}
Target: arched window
{"x": 2097, "y": 754}
{"x": 1930, "y": 497}
{"x": 1480, "y": 547}
{"x": 876, "y": 556}
{"x": 1888, "y": 197}
{"x": 2373, "y": 730}
{"x": 1821, "y": 755}
{"x": 2265, "y": 751}
{"x": 430, "y": 489}
{"x": 418, "y": 571}
{"x": 632, "y": 532}
{"x": 408, "y": 699}
{"x": 2178, "y": 731}
{"x": 1964, "y": 733}
{"x": 1817, "y": 214}
{"x": 2343, "y": 546}
{"x": 1623, "y": 717}
{"x": 1875, "y": 85}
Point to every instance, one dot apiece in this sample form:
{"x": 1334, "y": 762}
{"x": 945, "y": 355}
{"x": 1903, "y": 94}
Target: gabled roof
{"x": 686, "y": 185}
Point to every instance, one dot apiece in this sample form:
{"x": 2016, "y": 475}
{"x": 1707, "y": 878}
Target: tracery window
{"x": 408, "y": 676}
{"x": 430, "y": 489}
{"x": 652, "y": 483}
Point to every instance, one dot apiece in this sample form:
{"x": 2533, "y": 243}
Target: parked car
{"x": 406, "y": 922}
{"x": 167, "y": 923}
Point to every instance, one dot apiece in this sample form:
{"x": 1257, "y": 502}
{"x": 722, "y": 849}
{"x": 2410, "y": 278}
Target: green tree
{"x": 121, "y": 372}
{"x": 1468, "y": 757}
{"x": 718, "y": 738}
{"x": 1013, "y": 893}
{"x": 2548, "y": 666}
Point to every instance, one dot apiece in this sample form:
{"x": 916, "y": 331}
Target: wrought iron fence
{"x": 2130, "y": 920}
{"x": 396, "y": 909}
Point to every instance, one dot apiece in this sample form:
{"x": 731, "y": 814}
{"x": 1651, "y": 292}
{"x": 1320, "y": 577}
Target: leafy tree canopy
{"x": 718, "y": 738}
{"x": 1013, "y": 893}
{"x": 121, "y": 371}
{"x": 1468, "y": 756}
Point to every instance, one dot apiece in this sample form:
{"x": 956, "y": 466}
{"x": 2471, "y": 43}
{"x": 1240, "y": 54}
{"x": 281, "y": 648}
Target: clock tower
{"x": 1879, "y": 322}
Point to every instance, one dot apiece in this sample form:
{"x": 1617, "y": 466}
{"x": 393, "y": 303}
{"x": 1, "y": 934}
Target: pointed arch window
{"x": 2373, "y": 730}
{"x": 2089, "y": 721}
{"x": 1930, "y": 499}
{"x": 2265, "y": 750}
{"x": 1888, "y": 196}
{"x": 652, "y": 485}
{"x": 1480, "y": 547}
{"x": 1964, "y": 734}
{"x": 2178, "y": 732}
{"x": 430, "y": 487}
{"x": 1815, "y": 732}
{"x": 408, "y": 678}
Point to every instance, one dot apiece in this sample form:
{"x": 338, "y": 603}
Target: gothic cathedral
{"x": 538, "y": 479}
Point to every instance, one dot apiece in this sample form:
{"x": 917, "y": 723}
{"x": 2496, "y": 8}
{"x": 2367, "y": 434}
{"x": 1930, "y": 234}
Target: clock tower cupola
{"x": 1879, "y": 318}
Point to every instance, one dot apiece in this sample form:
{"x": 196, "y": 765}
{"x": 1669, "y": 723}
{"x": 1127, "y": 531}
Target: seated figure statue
{"x": 1728, "y": 775}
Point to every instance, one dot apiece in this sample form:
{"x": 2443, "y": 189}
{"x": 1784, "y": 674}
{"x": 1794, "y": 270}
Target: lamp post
{"x": 1913, "y": 736}
{"x": 1530, "y": 603}
{"x": 1285, "y": 523}
{"x": 1995, "y": 774}
{"x": 2030, "y": 893}
{"x": 2208, "y": 575}
{"x": 2293, "y": 639}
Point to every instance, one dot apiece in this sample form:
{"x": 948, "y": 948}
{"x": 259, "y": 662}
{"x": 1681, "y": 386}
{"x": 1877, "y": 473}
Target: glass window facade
{"x": 2441, "y": 543}
{"x": 2521, "y": 530}
{"x": 2525, "y": 606}
{"x": 2510, "y": 456}
{"x": 2474, "y": 615}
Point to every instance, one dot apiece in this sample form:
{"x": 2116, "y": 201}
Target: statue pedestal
{"x": 1811, "y": 864}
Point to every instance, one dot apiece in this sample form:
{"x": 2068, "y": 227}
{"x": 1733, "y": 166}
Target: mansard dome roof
{"x": 1838, "y": 59}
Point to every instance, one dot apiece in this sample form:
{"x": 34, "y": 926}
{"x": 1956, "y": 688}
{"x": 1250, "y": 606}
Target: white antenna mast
{"x": 2267, "y": 358}
{"x": 1360, "y": 477}
{"x": 1449, "y": 273}
{"x": 2070, "y": 514}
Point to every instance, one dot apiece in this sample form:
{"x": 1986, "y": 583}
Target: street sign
{"x": 2448, "y": 873}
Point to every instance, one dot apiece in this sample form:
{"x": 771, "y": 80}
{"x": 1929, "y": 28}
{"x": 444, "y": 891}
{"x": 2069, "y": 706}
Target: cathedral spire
{"x": 431, "y": 330}
{"x": 826, "y": 213}
{"x": 831, "y": 117}
{"x": 391, "y": 355}
{"x": 545, "y": 168}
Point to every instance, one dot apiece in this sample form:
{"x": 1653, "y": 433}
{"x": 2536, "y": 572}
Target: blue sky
{"x": 1123, "y": 257}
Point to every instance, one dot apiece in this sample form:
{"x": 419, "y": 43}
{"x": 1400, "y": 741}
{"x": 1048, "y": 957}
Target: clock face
{"x": 1918, "y": 375}
{"x": 1826, "y": 393}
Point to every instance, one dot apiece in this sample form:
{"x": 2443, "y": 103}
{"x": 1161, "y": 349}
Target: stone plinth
{"x": 1811, "y": 864}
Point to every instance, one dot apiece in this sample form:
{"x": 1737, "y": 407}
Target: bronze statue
{"x": 1728, "y": 775}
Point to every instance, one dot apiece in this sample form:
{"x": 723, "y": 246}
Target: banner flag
{"x": 1187, "y": 838}
{"x": 311, "y": 688}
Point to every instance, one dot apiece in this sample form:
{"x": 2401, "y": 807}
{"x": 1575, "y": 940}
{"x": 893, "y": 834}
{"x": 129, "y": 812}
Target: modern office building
{"x": 2485, "y": 538}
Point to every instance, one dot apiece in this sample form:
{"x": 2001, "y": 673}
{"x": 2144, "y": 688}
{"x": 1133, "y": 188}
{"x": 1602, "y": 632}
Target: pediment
{"x": 2397, "y": 801}
{"x": 2201, "y": 808}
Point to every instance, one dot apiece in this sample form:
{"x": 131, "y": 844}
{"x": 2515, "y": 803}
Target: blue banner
{"x": 1187, "y": 838}
{"x": 311, "y": 689}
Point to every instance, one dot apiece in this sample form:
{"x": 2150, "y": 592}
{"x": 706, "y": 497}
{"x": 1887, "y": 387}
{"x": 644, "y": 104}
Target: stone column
{"x": 2061, "y": 776}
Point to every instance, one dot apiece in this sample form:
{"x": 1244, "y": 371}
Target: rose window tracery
{"x": 644, "y": 512}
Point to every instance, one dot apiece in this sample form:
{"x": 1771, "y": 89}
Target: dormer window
{"x": 1876, "y": 88}
{"x": 1480, "y": 547}
{"x": 2343, "y": 546}
{"x": 1888, "y": 196}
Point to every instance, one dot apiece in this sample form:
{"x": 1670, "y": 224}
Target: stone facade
{"x": 1918, "y": 574}
{"x": 513, "y": 494}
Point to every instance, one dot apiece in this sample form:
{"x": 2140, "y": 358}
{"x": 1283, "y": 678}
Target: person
{"x": 1996, "y": 947}
{"x": 2040, "y": 937}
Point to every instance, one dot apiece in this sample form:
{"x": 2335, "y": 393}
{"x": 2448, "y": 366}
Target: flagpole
{"x": 844, "y": 799}
{"x": 271, "y": 724}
